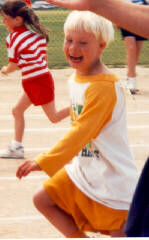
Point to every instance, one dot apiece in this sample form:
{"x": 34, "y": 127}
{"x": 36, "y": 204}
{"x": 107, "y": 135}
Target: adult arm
{"x": 132, "y": 17}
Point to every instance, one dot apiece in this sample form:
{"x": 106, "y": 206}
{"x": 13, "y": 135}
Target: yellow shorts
{"x": 88, "y": 215}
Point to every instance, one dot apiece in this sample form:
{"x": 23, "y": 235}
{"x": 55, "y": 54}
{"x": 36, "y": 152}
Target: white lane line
{"x": 36, "y": 130}
{"x": 42, "y": 116}
{"x": 139, "y": 145}
{"x": 54, "y": 129}
{"x": 138, "y": 112}
{"x": 45, "y": 149}
{"x": 136, "y": 101}
{"x": 38, "y": 177}
{"x": 48, "y": 148}
{"x": 21, "y": 218}
{"x": 138, "y": 127}
{"x": 29, "y": 116}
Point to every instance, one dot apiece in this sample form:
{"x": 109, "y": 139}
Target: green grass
{"x": 53, "y": 20}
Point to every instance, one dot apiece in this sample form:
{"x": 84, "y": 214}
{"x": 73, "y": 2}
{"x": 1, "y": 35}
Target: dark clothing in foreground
{"x": 138, "y": 219}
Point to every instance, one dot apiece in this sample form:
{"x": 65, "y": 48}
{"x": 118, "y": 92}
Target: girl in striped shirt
{"x": 27, "y": 51}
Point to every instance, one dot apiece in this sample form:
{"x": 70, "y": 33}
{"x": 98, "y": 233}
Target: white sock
{"x": 17, "y": 144}
{"x": 131, "y": 78}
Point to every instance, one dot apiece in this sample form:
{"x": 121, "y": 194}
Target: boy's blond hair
{"x": 90, "y": 22}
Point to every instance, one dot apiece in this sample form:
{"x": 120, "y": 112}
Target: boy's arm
{"x": 11, "y": 67}
{"x": 97, "y": 111}
{"x": 25, "y": 168}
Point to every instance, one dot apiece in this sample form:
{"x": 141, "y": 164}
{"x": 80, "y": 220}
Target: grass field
{"x": 53, "y": 20}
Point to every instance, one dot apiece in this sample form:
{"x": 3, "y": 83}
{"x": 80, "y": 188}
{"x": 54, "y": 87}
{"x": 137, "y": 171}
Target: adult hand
{"x": 25, "y": 168}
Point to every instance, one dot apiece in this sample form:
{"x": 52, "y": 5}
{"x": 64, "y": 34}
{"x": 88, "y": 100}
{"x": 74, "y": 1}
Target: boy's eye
{"x": 83, "y": 43}
{"x": 69, "y": 40}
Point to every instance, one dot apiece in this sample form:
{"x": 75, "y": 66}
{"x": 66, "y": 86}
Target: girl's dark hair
{"x": 15, "y": 8}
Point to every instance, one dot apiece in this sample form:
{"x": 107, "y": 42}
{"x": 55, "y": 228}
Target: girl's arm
{"x": 11, "y": 67}
{"x": 133, "y": 17}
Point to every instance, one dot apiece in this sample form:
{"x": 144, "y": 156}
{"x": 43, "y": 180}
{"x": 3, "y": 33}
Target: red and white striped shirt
{"x": 28, "y": 50}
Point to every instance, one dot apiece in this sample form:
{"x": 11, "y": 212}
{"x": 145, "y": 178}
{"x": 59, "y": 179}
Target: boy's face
{"x": 82, "y": 51}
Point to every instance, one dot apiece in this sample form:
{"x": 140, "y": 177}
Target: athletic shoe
{"x": 131, "y": 85}
{"x": 13, "y": 152}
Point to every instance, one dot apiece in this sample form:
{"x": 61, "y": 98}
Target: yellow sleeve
{"x": 100, "y": 100}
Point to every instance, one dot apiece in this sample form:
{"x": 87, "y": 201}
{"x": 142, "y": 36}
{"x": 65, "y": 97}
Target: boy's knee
{"x": 37, "y": 200}
{"x": 42, "y": 200}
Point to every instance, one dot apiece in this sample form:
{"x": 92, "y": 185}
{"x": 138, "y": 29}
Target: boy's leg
{"x": 54, "y": 115}
{"x": 60, "y": 219}
{"x": 118, "y": 233}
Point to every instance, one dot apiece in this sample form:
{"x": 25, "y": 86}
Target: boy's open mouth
{"x": 76, "y": 58}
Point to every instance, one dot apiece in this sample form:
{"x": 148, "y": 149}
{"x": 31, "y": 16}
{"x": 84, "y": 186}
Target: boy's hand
{"x": 4, "y": 70}
{"x": 25, "y": 168}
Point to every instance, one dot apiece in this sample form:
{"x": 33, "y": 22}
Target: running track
{"x": 18, "y": 217}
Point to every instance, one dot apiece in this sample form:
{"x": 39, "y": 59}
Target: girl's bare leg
{"x": 18, "y": 113}
{"x": 54, "y": 115}
{"x": 60, "y": 219}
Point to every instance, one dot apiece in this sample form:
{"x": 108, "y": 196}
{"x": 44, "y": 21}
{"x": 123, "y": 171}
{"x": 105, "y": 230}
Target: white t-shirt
{"x": 95, "y": 151}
